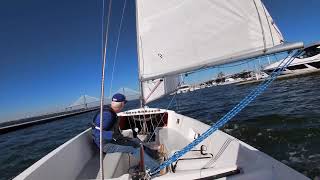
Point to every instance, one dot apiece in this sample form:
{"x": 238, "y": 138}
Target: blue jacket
{"x": 108, "y": 123}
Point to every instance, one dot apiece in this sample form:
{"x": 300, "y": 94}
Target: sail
{"x": 176, "y": 36}
{"x": 154, "y": 89}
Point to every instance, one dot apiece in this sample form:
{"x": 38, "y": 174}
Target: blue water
{"x": 284, "y": 122}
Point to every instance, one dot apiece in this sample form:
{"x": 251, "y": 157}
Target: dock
{"x": 23, "y": 123}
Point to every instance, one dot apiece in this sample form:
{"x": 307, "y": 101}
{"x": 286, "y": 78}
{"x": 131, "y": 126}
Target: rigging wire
{"x": 233, "y": 112}
{"x": 238, "y": 64}
{"x": 105, "y": 44}
{"x": 181, "y": 78}
{"x": 117, "y": 44}
{"x": 219, "y": 67}
{"x": 161, "y": 119}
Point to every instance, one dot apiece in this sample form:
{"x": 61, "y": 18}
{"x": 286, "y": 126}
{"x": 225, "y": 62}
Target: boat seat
{"x": 171, "y": 139}
{"x": 192, "y": 160}
{"x": 174, "y": 141}
{"x": 111, "y": 162}
{"x": 115, "y": 165}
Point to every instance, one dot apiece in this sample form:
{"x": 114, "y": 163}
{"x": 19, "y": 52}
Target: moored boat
{"x": 307, "y": 62}
{"x": 183, "y": 89}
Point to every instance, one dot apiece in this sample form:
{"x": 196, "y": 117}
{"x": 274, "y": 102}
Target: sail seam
{"x": 271, "y": 34}
{"x": 261, "y": 25}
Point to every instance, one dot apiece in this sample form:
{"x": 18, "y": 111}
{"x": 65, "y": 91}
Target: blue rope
{"x": 233, "y": 112}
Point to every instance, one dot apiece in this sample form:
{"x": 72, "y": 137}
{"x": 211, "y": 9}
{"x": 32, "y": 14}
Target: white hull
{"x": 298, "y": 66}
{"x": 78, "y": 158}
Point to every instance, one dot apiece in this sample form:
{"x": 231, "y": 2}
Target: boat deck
{"x": 219, "y": 156}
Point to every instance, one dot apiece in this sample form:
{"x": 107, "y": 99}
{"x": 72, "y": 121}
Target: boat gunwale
{"x": 47, "y": 157}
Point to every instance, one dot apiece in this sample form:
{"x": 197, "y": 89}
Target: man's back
{"x": 109, "y": 126}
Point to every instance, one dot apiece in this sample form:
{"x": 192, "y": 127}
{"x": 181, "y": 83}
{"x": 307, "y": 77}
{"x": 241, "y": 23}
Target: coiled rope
{"x": 233, "y": 112}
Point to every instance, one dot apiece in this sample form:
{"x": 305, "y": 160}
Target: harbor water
{"x": 284, "y": 123}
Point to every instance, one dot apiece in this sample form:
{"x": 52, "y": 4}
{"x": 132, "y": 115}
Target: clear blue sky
{"x": 50, "y": 51}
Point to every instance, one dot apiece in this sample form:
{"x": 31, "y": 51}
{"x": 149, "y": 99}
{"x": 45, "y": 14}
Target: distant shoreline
{"x": 9, "y": 126}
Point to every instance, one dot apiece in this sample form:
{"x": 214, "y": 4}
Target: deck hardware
{"x": 203, "y": 150}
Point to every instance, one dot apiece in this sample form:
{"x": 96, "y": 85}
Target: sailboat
{"x": 176, "y": 37}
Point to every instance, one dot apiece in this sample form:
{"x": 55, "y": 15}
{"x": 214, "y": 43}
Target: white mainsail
{"x": 184, "y": 35}
{"x": 178, "y": 36}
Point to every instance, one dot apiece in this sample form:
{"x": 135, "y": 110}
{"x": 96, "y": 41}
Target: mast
{"x": 142, "y": 103}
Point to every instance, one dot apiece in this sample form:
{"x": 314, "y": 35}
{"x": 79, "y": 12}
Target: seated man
{"x": 110, "y": 124}
{"x": 113, "y": 140}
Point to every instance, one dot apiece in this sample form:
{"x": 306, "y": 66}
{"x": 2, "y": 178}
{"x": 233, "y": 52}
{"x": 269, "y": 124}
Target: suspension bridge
{"x": 83, "y": 104}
